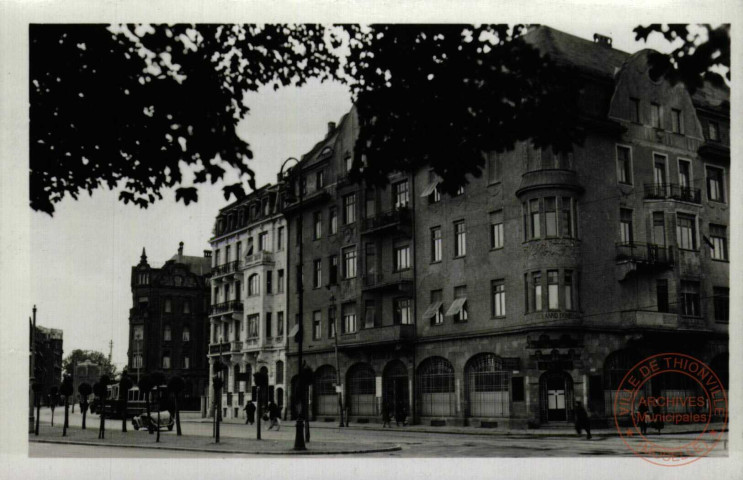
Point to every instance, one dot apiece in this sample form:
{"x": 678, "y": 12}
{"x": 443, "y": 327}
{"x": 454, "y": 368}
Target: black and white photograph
{"x": 498, "y": 243}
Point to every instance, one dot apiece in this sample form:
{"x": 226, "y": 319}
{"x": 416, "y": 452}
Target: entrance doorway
{"x": 395, "y": 388}
{"x": 556, "y": 397}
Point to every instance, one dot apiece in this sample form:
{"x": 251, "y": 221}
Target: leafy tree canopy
{"x": 79, "y": 356}
{"x": 134, "y": 108}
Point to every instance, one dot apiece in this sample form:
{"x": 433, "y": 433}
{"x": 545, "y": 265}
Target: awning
{"x": 432, "y": 309}
{"x": 430, "y": 188}
{"x": 456, "y": 306}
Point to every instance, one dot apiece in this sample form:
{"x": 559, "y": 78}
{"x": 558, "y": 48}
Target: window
{"x": 349, "y": 262}
{"x": 568, "y": 288}
{"x": 186, "y": 362}
{"x": 459, "y": 307}
{"x": 137, "y": 361}
{"x": 436, "y": 244}
{"x": 567, "y": 217}
{"x": 553, "y": 287}
{"x": 562, "y": 160}
{"x": 317, "y": 273}
{"x": 495, "y": 161}
{"x": 269, "y": 281}
{"x": 655, "y": 115}
{"x": 432, "y": 191}
{"x": 517, "y": 389}
{"x": 684, "y": 173}
{"x": 496, "y": 229}
{"x": 686, "y": 231}
{"x": 186, "y": 305}
{"x": 316, "y": 325}
{"x": 253, "y": 326}
{"x": 721, "y": 304}
{"x": 280, "y": 238}
{"x": 690, "y": 299}
{"x": 317, "y": 222}
{"x": 371, "y": 204}
{"x": 659, "y": 228}
{"x": 166, "y": 360}
{"x": 536, "y": 296}
{"x": 498, "y": 289}
{"x": 237, "y": 330}
{"x": 319, "y": 179}
{"x": 280, "y": 324}
{"x": 624, "y": 165}
{"x": 402, "y": 194}
{"x": 331, "y": 322}
{"x": 280, "y": 282}
{"x": 371, "y": 259}
{"x": 227, "y": 254}
{"x": 715, "y": 186}
{"x": 238, "y": 250}
{"x": 303, "y": 185}
{"x": 634, "y": 113}
{"x": 348, "y": 163}
{"x": 186, "y": 336}
{"x": 403, "y": 312}
{"x": 460, "y": 239}
{"x": 661, "y": 293}
{"x": 402, "y": 257}
{"x": 713, "y": 131}
{"x": 279, "y": 373}
{"x": 460, "y": 191}
{"x": 333, "y": 220}
{"x": 216, "y": 257}
{"x": 349, "y": 209}
{"x": 676, "y": 125}
{"x": 718, "y": 239}
{"x": 250, "y": 245}
{"x": 254, "y": 285}
{"x": 370, "y": 314}
{"x": 535, "y": 224}
{"x": 168, "y": 305}
{"x": 659, "y": 174}
{"x": 263, "y": 245}
{"x": 435, "y": 310}
{"x": 166, "y": 333}
{"x": 226, "y": 292}
{"x": 349, "y": 317}
{"x": 333, "y": 270}
{"x": 625, "y": 226}
{"x": 550, "y": 216}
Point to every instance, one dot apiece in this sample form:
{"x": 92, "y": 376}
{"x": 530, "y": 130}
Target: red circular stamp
{"x": 674, "y": 390}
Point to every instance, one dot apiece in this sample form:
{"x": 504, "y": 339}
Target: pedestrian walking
{"x": 386, "y": 415}
{"x": 401, "y": 415}
{"x": 273, "y": 416}
{"x": 249, "y": 413}
{"x": 642, "y": 412}
{"x": 581, "y": 420}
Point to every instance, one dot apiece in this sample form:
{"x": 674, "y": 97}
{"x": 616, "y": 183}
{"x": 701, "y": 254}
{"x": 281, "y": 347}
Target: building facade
{"x": 168, "y": 323}
{"x": 540, "y": 283}
{"x": 48, "y": 360}
{"x": 248, "y": 290}
{"x": 85, "y": 372}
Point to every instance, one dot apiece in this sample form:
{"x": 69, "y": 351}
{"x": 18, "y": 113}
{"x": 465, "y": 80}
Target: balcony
{"x": 251, "y": 343}
{"x": 398, "y": 218}
{"x": 219, "y": 348}
{"x": 390, "y": 281}
{"x": 378, "y": 335}
{"x": 672, "y": 191}
{"x": 645, "y": 254}
{"x": 229, "y": 268}
{"x": 226, "y": 307}
{"x": 260, "y": 258}
{"x": 236, "y": 346}
{"x": 661, "y": 320}
{"x": 549, "y": 178}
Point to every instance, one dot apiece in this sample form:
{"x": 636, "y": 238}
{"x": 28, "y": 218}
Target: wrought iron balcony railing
{"x": 397, "y": 217}
{"x": 661, "y": 191}
{"x": 225, "y": 269}
{"x": 225, "y": 307}
{"x": 647, "y": 253}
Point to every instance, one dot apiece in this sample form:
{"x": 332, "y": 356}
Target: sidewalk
{"x": 197, "y": 443}
{"x": 551, "y": 431}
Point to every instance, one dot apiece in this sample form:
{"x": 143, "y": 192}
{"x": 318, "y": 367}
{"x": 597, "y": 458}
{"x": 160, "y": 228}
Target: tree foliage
{"x": 127, "y": 107}
{"x": 703, "y": 53}
{"x": 79, "y": 356}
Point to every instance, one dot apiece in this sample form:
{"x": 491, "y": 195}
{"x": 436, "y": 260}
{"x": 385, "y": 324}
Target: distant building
{"x": 168, "y": 327}
{"x": 85, "y": 372}
{"x": 49, "y": 355}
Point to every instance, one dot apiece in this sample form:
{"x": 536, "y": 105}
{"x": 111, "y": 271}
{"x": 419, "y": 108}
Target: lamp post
{"x": 338, "y": 385}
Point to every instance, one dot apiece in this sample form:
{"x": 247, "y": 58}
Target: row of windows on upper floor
{"x": 225, "y": 293}
{"x": 714, "y": 176}
{"x": 165, "y": 363}
{"x": 236, "y": 330}
{"x": 183, "y": 305}
{"x": 264, "y": 245}
{"x": 658, "y": 118}
{"x": 245, "y": 214}
{"x": 167, "y": 335}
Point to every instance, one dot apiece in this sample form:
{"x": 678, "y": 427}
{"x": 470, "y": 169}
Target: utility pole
{"x": 110, "y": 350}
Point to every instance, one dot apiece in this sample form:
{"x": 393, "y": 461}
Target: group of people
{"x": 273, "y": 414}
{"x": 401, "y": 415}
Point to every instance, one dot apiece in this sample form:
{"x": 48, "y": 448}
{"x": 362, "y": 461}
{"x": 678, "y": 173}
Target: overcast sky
{"x": 81, "y": 257}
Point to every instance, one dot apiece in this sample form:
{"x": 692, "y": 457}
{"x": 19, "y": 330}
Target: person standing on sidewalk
{"x": 386, "y": 415}
{"x": 401, "y": 415}
{"x": 273, "y": 416}
{"x": 642, "y": 412}
{"x": 249, "y": 413}
{"x": 581, "y": 420}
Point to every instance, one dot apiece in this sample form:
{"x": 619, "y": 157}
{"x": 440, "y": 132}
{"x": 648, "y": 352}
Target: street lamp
{"x": 338, "y": 384}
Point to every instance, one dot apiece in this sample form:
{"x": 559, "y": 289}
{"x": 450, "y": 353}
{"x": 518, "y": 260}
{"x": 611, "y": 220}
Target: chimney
{"x": 602, "y": 40}
{"x": 180, "y": 249}
{"x": 331, "y": 127}
{"x": 207, "y": 254}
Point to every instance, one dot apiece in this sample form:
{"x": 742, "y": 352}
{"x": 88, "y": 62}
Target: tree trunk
{"x": 66, "y": 416}
{"x": 149, "y": 414}
{"x": 38, "y": 411}
{"x": 84, "y": 408}
{"x": 102, "y": 427}
{"x": 157, "y": 427}
{"x": 52, "y": 416}
{"x": 123, "y": 414}
{"x": 177, "y": 415}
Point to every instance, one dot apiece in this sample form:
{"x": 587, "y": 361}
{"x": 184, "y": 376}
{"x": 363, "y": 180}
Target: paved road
{"x": 415, "y": 444}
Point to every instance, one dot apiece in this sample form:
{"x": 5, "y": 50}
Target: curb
{"x": 234, "y": 452}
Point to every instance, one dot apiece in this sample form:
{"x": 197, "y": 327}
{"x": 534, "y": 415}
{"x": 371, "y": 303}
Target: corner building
{"x": 247, "y": 314}
{"x": 542, "y": 282}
